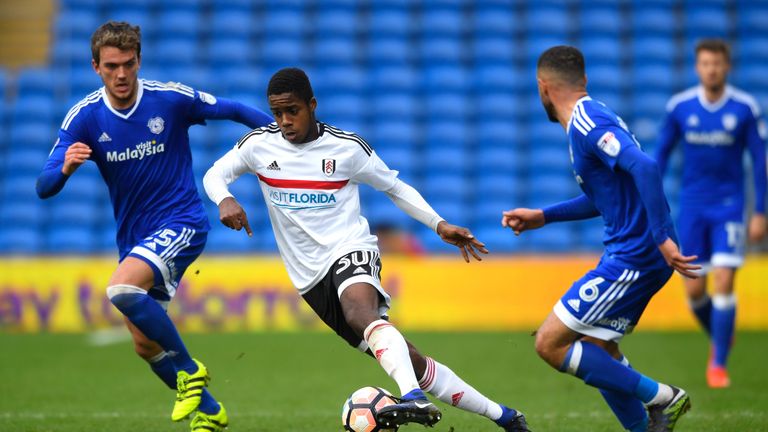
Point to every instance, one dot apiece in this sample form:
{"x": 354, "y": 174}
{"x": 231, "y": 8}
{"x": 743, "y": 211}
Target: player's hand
{"x": 679, "y": 262}
{"x": 75, "y": 156}
{"x": 232, "y": 215}
{"x": 522, "y": 219}
{"x": 757, "y": 227}
{"x": 461, "y": 238}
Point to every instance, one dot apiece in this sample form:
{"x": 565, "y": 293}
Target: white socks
{"x": 391, "y": 351}
{"x": 445, "y": 385}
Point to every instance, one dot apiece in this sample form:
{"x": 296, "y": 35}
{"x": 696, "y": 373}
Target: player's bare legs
{"x": 360, "y": 305}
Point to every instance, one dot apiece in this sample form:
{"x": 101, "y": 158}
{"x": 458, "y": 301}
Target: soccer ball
{"x": 359, "y": 411}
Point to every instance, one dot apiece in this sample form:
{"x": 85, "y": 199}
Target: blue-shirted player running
{"x": 623, "y": 185}
{"x": 716, "y": 124}
{"x": 136, "y": 131}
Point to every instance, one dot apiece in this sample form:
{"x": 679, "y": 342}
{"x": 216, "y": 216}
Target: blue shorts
{"x": 715, "y": 234}
{"x": 608, "y": 301}
{"x": 169, "y": 251}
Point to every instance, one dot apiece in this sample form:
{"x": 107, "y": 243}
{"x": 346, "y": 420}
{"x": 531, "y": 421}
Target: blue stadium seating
{"x": 444, "y": 90}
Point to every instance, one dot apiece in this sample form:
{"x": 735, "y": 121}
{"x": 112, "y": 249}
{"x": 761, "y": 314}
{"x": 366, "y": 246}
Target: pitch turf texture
{"x": 277, "y": 382}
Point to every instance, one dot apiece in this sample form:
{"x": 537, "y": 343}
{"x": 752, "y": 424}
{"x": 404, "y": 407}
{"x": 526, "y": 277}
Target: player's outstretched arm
{"x": 58, "y": 168}
{"x": 463, "y": 239}
{"x": 232, "y": 215}
{"x": 522, "y": 219}
{"x": 676, "y": 260}
{"x": 228, "y": 109}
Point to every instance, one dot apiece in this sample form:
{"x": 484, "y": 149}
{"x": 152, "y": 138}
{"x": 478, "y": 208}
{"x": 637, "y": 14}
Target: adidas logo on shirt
{"x": 273, "y": 166}
{"x": 104, "y": 137}
{"x": 359, "y": 270}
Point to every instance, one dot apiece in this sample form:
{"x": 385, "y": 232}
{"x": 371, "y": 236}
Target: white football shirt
{"x": 311, "y": 193}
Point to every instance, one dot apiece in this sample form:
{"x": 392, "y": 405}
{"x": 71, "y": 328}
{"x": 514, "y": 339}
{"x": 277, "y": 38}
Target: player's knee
{"x": 545, "y": 349}
{"x": 359, "y": 318}
{"x": 123, "y": 296}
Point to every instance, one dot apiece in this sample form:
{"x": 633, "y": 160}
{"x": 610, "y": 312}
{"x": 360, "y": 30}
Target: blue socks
{"x": 723, "y": 323}
{"x": 628, "y": 409}
{"x": 149, "y": 317}
{"x": 507, "y": 414}
{"x": 702, "y": 309}
{"x": 624, "y": 389}
{"x": 163, "y": 367}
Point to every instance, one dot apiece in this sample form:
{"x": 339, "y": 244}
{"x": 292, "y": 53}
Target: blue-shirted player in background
{"x": 716, "y": 123}
{"x": 136, "y": 131}
{"x": 623, "y": 185}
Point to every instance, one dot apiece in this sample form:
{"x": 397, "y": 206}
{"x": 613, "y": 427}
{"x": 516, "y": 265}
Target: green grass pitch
{"x": 277, "y": 382}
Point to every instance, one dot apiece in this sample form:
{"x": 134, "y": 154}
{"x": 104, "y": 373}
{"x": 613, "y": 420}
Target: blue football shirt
{"x": 143, "y": 154}
{"x": 714, "y": 137}
{"x": 597, "y": 137}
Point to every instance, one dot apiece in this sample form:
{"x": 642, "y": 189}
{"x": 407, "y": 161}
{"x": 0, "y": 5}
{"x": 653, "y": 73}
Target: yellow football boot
{"x": 189, "y": 389}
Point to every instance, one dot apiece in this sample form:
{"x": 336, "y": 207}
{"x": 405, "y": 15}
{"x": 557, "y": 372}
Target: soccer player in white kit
{"x": 309, "y": 172}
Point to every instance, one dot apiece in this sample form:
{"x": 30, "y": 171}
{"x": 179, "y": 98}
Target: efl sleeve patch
{"x": 207, "y": 98}
{"x": 609, "y": 144}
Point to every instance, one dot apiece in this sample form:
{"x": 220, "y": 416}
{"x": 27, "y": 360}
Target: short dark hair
{"x": 118, "y": 34}
{"x": 566, "y": 61}
{"x": 291, "y": 80}
{"x": 714, "y": 45}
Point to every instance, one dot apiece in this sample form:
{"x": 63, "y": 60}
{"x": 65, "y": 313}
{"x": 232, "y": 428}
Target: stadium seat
{"x": 752, "y": 76}
{"x": 191, "y": 6}
{"x": 446, "y": 106}
{"x": 752, "y": 20}
{"x": 68, "y": 53}
{"x": 499, "y": 106}
{"x": 439, "y": 22}
{"x": 492, "y": 50}
{"x": 180, "y": 24}
{"x": 495, "y": 20}
{"x": 70, "y": 239}
{"x": 149, "y": 25}
{"x": 602, "y": 50}
{"x": 380, "y": 210}
{"x": 654, "y": 49}
{"x": 660, "y": 77}
{"x": 394, "y": 133}
{"x": 82, "y": 213}
{"x": 446, "y": 133}
{"x": 340, "y": 50}
{"x": 751, "y": 50}
{"x": 20, "y": 240}
{"x": 336, "y": 22}
{"x": 505, "y": 186}
{"x": 545, "y": 20}
{"x": 38, "y": 81}
{"x": 499, "y": 77}
{"x": 243, "y": 79}
{"x": 33, "y": 133}
{"x": 388, "y": 51}
{"x": 606, "y": 21}
{"x": 502, "y": 133}
{"x": 24, "y": 212}
{"x": 654, "y": 21}
{"x": 280, "y": 52}
{"x": 23, "y": 159}
{"x": 389, "y": 21}
{"x": 497, "y": 239}
{"x": 441, "y": 50}
{"x": 232, "y": 23}
{"x": 230, "y": 51}
{"x": 553, "y": 238}
{"x": 350, "y": 105}
{"x": 401, "y": 159}
{"x": 605, "y": 78}
{"x": 446, "y": 160}
{"x": 395, "y": 106}
{"x": 445, "y": 78}
{"x": 549, "y": 188}
{"x": 284, "y": 22}
{"x": 651, "y": 105}
{"x": 39, "y": 109}
{"x": 536, "y": 44}
{"x": 707, "y": 21}
{"x": 77, "y": 24}
{"x": 387, "y": 79}
{"x": 445, "y": 186}
{"x": 176, "y": 52}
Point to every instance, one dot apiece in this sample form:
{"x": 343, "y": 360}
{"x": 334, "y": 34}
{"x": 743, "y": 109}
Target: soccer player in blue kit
{"x": 136, "y": 131}
{"x": 716, "y": 123}
{"x": 623, "y": 185}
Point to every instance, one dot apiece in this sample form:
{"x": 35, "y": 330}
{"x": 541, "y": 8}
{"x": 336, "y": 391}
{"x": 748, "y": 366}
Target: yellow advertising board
{"x": 244, "y": 293}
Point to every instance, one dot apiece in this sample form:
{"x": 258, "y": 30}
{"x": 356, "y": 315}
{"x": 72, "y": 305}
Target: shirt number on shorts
{"x": 735, "y": 232}
{"x": 589, "y": 291}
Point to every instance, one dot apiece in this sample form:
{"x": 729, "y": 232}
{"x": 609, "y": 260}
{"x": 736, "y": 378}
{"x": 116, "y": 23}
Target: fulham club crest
{"x": 329, "y": 166}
